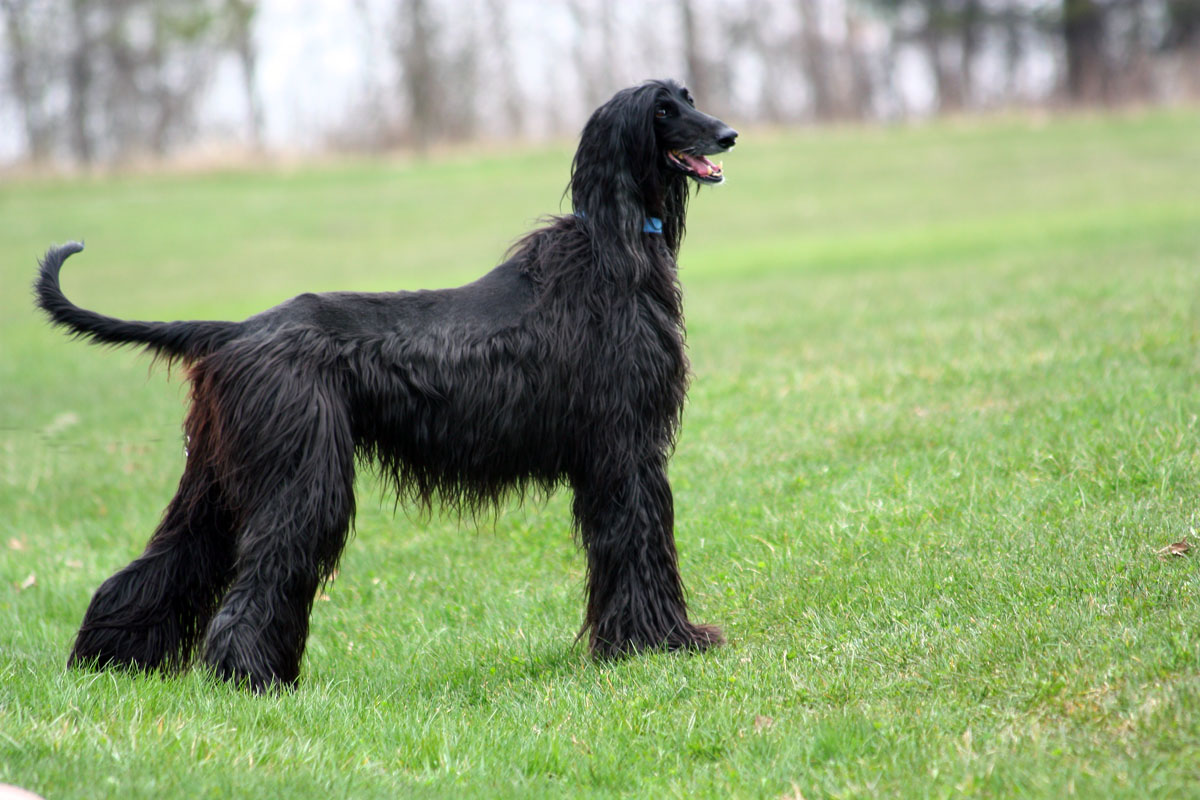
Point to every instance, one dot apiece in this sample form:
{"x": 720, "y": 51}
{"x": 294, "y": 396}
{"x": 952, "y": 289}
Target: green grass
{"x": 947, "y": 383}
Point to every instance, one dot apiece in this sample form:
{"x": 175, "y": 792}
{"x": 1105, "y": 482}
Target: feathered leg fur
{"x": 151, "y": 614}
{"x": 288, "y": 440}
{"x": 635, "y": 595}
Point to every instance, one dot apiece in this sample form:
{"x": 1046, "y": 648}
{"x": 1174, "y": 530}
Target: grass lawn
{"x": 944, "y": 411}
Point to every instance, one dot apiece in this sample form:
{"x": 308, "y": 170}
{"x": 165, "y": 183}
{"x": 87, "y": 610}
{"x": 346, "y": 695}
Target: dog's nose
{"x": 727, "y": 138}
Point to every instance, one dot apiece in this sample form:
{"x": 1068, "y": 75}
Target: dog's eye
{"x": 660, "y": 112}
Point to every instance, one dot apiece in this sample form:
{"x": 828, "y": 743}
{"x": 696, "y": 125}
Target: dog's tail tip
{"x": 57, "y": 254}
{"x": 171, "y": 340}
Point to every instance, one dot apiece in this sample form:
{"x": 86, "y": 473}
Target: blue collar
{"x": 651, "y": 224}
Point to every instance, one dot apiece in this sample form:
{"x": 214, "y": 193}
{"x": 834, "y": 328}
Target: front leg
{"x": 635, "y": 594}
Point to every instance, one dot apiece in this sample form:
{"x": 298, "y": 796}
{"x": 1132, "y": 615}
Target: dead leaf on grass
{"x": 61, "y": 423}
{"x": 794, "y": 794}
{"x": 1174, "y": 549}
{"x": 761, "y": 723}
{"x": 28, "y": 582}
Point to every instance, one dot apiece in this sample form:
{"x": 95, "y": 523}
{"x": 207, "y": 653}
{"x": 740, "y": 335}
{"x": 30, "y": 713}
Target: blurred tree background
{"x": 106, "y": 81}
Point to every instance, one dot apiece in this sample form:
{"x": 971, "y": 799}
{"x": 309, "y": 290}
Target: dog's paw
{"x": 701, "y": 637}
{"x": 136, "y": 650}
{"x": 684, "y": 637}
{"x": 244, "y": 676}
{"x": 235, "y": 652}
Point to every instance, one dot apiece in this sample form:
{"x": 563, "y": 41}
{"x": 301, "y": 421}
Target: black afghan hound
{"x": 565, "y": 364}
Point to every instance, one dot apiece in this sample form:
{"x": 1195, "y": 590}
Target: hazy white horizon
{"x": 318, "y": 60}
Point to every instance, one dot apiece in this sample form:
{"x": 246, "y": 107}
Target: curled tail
{"x": 170, "y": 340}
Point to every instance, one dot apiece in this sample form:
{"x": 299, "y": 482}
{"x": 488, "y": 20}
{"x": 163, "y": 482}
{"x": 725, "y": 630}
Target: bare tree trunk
{"x": 889, "y": 92}
{"x": 420, "y": 78}
{"x": 512, "y": 107}
{"x": 21, "y": 76}
{"x": 768, "y": 56}
{"x": 947, "y": 80}
{"x": 697, "y": 79}
{"x": 1183, "y": 38}
{"x": 242, "y": 13}
{"x": 595, "y": 74}
{"x": 79, "y": 84}
{"x": 816, "y": 63}
{"x": 457, "y": 65}
{"x": 861, "y": 99}
{"x": 971, "y": 24}
{"x": 1083, "y": 32}
{"x": 1014, "y": 52}
{"x": 1138, "y": 70}
{"x": 161, "y": 100}
{"x": 124, "y": 114}
{"x": 375, "y": 126}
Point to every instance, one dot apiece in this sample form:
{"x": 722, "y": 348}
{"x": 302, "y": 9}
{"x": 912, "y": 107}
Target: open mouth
{"x": 698, "y": 167}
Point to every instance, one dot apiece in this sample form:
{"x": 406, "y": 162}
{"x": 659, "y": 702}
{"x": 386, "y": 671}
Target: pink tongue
{"x": 702, "y": 165}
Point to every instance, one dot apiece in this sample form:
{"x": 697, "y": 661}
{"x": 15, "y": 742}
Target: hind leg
{"x": 150, "y": 614}
{"x": 300, "y": 501}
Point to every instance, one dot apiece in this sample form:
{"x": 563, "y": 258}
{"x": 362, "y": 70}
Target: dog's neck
{"x": 649, "y": 225}
{"x": 618, "y": 199}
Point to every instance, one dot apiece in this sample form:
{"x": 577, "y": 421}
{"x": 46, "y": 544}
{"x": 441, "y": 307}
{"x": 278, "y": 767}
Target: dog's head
{"x": 656, "y": 127}
{"x": 686, "y": 136}
{"x": 637, "y": 152}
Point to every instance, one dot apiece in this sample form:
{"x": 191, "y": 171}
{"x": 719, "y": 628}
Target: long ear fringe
{"x": 618, "y": 179}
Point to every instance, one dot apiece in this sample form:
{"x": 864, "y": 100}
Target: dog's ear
{"x": 624, "y": 127}
{"x": 615, "y": 176}
{"x": 638, "y": 137}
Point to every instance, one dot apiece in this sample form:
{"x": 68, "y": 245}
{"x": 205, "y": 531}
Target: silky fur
{"x": 563, "y": 365}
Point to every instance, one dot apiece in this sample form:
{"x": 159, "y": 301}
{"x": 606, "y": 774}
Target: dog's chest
{"x": 643, "y": 354}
